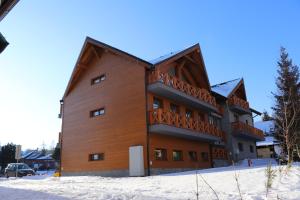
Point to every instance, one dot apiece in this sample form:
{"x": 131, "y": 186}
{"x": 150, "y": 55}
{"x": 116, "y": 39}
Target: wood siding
{"x": 122, "y": 94}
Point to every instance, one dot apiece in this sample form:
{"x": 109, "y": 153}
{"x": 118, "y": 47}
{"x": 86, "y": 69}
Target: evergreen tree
{"x": 7, "y": 154}
{"x": 56, "y": 154}
{"x": 287, "y": 101}
{"x": 266, "y": 117}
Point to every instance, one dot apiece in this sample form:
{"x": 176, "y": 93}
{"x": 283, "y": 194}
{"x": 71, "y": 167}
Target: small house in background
{"x": 270, "y": 147}
{"x": 37, "y": 160}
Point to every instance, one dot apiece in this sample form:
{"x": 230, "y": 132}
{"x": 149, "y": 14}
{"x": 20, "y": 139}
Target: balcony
{"x": 239, "y": 105}
{"x": 169, "y": 123}
{"x": 246, "y": 131}
{"x": 171, "y": 87}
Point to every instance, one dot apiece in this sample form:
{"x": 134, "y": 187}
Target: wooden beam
{"x": 97, "y": 53}
{"x": 189, "y": 77}
{"x": 191, "y": 59}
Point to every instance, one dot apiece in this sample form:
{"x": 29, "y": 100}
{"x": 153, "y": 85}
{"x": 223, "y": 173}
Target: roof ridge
{"x": 226, "y": 82}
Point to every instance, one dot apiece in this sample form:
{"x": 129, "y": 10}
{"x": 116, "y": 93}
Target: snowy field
{"x": 172, "y": 186}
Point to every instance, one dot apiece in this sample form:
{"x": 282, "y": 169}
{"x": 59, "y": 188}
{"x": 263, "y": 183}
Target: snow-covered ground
{"x": 170, "y": 186}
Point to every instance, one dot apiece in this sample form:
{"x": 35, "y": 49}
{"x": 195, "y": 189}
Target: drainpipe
{"x": 147, "y": 126}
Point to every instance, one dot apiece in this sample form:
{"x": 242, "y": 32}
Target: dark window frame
{"x": 240, "y": 147}
{"x": 172, "y": 106}
{"x": 189, "y": 113}
{"x": 161, "y": 103}
{"x": 100, "y": 110}
{"x": 98, "y": 79}
{"x": 251, "y": 149}
{"x": 181, "y": 155}
{"x": 164, "y": 154}
{"x": 205, "y": 156}
{"x": 192, "y": 157}
{"x": 101, "y": 157}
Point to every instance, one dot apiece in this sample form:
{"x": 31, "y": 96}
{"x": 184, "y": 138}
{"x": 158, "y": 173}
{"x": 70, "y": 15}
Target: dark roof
{"x": 3, "y": 43}
{"x": 6, "y": 6}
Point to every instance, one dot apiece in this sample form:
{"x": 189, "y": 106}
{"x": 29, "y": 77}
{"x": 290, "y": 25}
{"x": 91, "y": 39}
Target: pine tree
{"x": 266, "y": 117}
{"x": 287, "y": 101}
{"x": 7, "y": 154}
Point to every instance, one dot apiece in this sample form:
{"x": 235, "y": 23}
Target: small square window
{"x": 174, "y": 108}
{"x": 177, "y": 155}
{"x": 193, "y": 155}
{"x": 251, "y": 149}
{"x": 241, "y": 147}
{"x": 97, "y": 112}
{"x": 205, "y": 156}
{"x": 160, "y": 154}
{"x": 98, "y": 79}
{"x": 96, "y": 157}
{"x": 188, "y": 113}
{"x": 157, "y": 103}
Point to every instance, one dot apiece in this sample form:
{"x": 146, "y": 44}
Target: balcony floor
{"x": 182, "y": 132}
{"x": 169, "y": 92}
{"x": 246, "y": 135}
{"x": 240, "y": 110}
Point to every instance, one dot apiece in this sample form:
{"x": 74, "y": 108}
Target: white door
{"x": 136, "y": 161}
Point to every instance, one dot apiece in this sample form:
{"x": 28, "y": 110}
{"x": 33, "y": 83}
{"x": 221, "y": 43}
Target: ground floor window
{"x": 193, "y": 155}
{"x": 160, "y": 154}
{"x": 96, "y": 156}
{"x": 251, "y": 149}
{"x": 205, "y": 156}
{"x": 177, "y": 155}
{"x": 241, "y": 147}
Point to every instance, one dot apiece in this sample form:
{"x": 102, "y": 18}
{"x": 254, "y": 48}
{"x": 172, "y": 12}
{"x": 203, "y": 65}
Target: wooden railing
{"x": 199, "y": 93}
{"x": 234, "y": 100}
{"x": 219, "y": 153}
{"x": 242, "y": 127}
{"x": 160, "y": 116}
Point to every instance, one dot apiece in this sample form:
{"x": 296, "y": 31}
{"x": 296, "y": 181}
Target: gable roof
{"x": 170, "y": 55}
{"x": 227, "y": 88}
{"x": 181, "y": 53}
{"x": 92, "y": 43}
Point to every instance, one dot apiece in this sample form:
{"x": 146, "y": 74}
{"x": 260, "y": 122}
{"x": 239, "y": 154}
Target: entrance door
{"x": 136, "y": 161}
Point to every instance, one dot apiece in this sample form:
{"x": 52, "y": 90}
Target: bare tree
{"x": 288, "y": 126}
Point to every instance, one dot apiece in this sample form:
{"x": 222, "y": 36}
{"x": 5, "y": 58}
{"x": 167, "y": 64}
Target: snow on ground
{"x": 169, "y": 186}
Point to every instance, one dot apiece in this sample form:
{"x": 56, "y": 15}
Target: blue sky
{"x": 237, "y": 38}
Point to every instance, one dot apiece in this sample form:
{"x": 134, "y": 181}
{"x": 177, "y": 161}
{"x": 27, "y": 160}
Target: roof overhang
{"x": 6, "y": 6}
{"x": 3, "y": 43}
{"x": 255, "y": 111}
{"x": 96, "y": 48}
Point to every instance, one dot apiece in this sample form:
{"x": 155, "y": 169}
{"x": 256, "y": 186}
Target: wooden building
{"x": 5, "y": 7}
{"x": 237, "y": 120}
{"x": 124, "y": 116}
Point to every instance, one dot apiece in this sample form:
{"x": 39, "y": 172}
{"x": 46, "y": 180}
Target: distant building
{"x": 37, "y": 160}
{"x": 270, "y": 147}
{"x": 5, "y": 7}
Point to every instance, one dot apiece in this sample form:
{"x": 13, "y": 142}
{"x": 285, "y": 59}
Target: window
{"x": 236, "y": 117}
{"x": 210, "y": 120}
{"x": 188, "y": 113}
{"x": 177, "y": 155}
{"x": 247, "y": 122}
{"x": 174, "y": 108}
{"x": 97, "y": 112}
{"x": 98, "y": 79}
{"x": 96, "y": 156}
{"x": 204, "y": 156}
{"x": 251, "y": 149}
{"x": 201, "y": 116}
{"x": 193, "y": 155}
{"x": 241, "y": 147}
{"x": 157, "y": 103}
{"x": 160, "y": 154}
{"x": 171, "y": 71}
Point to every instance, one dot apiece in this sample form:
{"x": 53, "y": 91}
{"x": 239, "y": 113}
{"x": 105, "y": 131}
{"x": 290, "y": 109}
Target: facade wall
{"x": 240, "y": 155}
{"x": 173, "y": 143}
{"x": 122, "y": 94}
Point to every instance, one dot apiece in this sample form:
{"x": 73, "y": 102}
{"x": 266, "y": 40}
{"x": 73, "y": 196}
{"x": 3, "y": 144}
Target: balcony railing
{"x": 160, "y": 116}
{"x": 171, "y": 81}
{"x": 219, "y": 153}
{"x": 235, "y": 101}
{"x": 247, "y": 130}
